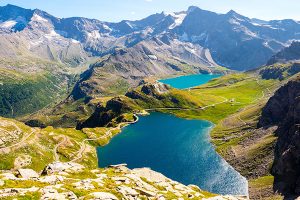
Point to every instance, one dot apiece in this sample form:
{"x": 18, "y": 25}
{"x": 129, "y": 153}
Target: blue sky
{"x": 116, "y": 10}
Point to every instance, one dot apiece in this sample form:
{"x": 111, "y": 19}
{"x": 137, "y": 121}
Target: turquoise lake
{"x": 178, "y": 148}
{"x": 189, "y": 81}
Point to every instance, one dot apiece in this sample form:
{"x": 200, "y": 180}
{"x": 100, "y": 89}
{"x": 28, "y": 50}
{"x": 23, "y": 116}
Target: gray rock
{"x": 28, "y": 173}
{"x": 103, "y": 196}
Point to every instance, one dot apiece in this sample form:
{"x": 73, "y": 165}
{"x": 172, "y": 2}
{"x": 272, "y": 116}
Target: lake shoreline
{"x": 207, "y": 135}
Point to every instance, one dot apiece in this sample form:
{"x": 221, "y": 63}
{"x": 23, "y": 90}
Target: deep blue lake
{"x": 184, "y": 82}
{"x": 178, "y": 148}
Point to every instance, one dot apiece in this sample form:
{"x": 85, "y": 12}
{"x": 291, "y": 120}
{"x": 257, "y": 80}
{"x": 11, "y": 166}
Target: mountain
{"x": 288, "y": 54}
{"x": 235, "y": 41}
{"x": 155, "y": 57}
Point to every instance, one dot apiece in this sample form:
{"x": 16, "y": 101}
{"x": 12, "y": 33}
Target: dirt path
{"x": 56, "y": 156}
{"x": 19, "y": 143}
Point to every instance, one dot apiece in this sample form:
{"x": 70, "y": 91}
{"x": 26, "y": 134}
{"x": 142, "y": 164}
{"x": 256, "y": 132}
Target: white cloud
{"x": 132, "y": 13}
{"x": 149, "y": 0}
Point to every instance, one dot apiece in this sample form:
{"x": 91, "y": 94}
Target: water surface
{"x": 184, "y": 82}
{"x": 178, "y": 148}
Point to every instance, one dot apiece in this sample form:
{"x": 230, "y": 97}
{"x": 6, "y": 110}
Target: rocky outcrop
{"x": 280, "y": 71}
{"x": 283, "y": 109}
{"x": 73, "y": 181}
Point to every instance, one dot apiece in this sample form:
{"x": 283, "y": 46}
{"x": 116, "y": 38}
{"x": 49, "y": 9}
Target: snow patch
{"x": 107, "y": 27}
{"x": 179, "y": 17}
{"x": 36, "y": 17}
{"x": 152, "y": 57}
{"x": 129, "y": 24}
{"x": 234, "y": 21}
{"x": 8, "y": 24}
{"x": 75, "y": 41}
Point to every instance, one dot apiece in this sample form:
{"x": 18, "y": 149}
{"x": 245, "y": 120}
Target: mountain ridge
{"x": 194, "y": 25}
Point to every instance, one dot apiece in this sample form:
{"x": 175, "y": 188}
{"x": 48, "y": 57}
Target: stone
{"x": 127, "y": 191}
{"x": 150, "y": 175}
{"x": 28, "y": 173}
{"x": 52, "y": 194}
{"x": 146, "y": 193}
{"x": 103, "y": 196}
{"x": 61, "y": 167}
{"x": 52, "y": 179}
{"x": 9, "y": 176}
{"x": 2, "y": 183}
{"x": 84, "y": 185}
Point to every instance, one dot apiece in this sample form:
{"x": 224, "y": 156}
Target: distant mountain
{"x": 288, "y": 54}
{"x": 235, "y": 41}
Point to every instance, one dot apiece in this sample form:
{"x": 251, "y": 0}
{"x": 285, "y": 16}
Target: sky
{"x": 117, "y": 10}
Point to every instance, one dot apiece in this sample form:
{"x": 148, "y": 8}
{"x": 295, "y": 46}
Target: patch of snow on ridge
{"x": 36, "y": 17}
{"x": 107, "y": 27}
{"x": 179, "y": 17}
{"x": 234, "y": 21}
{"x": 8, "y": 24}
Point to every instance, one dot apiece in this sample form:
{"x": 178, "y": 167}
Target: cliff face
{"x": 283, "y": 109}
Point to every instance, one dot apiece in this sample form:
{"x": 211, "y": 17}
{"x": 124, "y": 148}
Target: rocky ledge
{"x": 74, "y": 181}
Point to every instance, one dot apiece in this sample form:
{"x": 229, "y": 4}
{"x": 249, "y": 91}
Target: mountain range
{"x": 235, "y": 41}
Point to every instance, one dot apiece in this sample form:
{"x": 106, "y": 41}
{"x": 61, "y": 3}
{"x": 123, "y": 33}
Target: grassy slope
{"x": 41, "y": 143}
{"x": 22, "y": 93}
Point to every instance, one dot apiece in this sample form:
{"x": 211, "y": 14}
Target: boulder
{"x": 150, "y": 175}
{"x": 61, "y": 167}
{"x": 103, "y": 196}
{"x": 28, "y": 173}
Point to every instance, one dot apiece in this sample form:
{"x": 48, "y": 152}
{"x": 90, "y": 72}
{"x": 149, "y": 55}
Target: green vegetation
{"x": 265, "y": 181}
{"x": 22, "y": 93}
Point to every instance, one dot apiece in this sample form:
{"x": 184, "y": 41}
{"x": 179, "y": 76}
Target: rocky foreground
{"x": 73, "y": 181}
